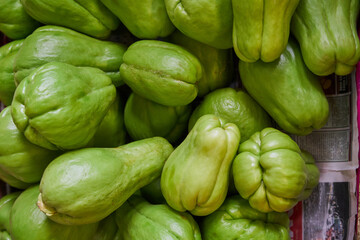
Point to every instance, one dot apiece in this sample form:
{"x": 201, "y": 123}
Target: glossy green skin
{"x": 196, "y": 175}
{"x": 313, "y": 174}
{"x": 144, "y": 19}
{"x": 207, "y": 21}
{"x": 161, "y": 72}
{"x": 21, "y": 162}
{"x": 261, "y": 28}
{"x": 236, "y": 219}
{"x": 107, "y": 229}
{"x": 29, "y": 223}
{"x": 288, "y": 91}
{"x": 269, "y": 171}
{"x": 59, "y": 44}
{"x": 15, "y": 23}
{"x": 140, "y": 220}
{"x": 327, "y": 33}
{"x": 152, "y": 192}
{"x": 6, "y": 203}
{"x": 7, "y": 59}
{"x": 234, "y": 106}
{"x": 59, "y": 106}
{"x": 145, "y": 118}
{"x": 217, "y": 63}
{"x": 87, "y": 185}
{"x": 90, "y": 17}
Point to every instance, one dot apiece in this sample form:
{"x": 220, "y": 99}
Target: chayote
{"x": 288, "y": 91}
{"x": 59, "y": 44}
{"x": 140, "y": 220}
{"x": 207, "y": 21}
{"x": 90, "y": 17}
{"x": 270, "y": 172}
{"x": 236, "y": 219}
{"x": 144, "y": 19}
{"x": 313, "y": 174}
{"x": 145, "y": 118}
{"x": 107, "y": 228}
{"x": 196, "y": 175}
{"x": 6, "y": 203}
{"x": 217, "y": 63}
{"x": 261, "y": 29}
{"x": 7, "y": 59}
{"x": 161, "y": 72}
{"x": 152, "y": 192}
{"x": 327, "y": 33}
{"x": 60, "y": 106}
{"x": 15, "y": 23}
{"x": 87, "y": 185}
{"x": 27, "y": 222}
{"x": 21, "y": 162}
{"x": 235, "y": 106}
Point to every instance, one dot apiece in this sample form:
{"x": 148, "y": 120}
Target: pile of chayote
{"x": 164, "y": 119}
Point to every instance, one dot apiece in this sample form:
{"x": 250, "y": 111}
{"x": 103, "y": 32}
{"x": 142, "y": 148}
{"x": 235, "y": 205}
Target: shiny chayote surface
{"x": 161, "y": 72}
{"x": 87, "y": 185}
{"x": 236, "y": 219}
{"x": 6, "y": 203}
{"x": 327, "y": 33}
{"x": 288, "y": 91}
{"x": 140, "y": 220}
{"x": 195, "y": 178}
{"x": 60, "y": 106}
{"x": 261, "y": 29}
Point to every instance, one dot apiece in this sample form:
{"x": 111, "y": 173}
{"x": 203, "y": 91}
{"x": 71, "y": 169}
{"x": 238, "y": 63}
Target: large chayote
{"x": 207, "y": 21}
{"x": 87, "y": 185}
{"x": 144, "y": 19}
{"x": 235, "y": 106}
{"x": 59, "y": 44}
{"x": 161, "y": 72}
{"x": 140, "y": 220}
{"x": 21, "y": 162}
{"x": 236, "y": 219}
{"x": 6, "y": 203}
{"x": 196, "y": 175}
{"x": 86, "y": 16}
{"x": 60, "y": 106}
{"x": 7, "y": 59}
{"x": 270, "y": 171}
{"x": 327, "y": 33}
{"x": 217, "y": 63}
{"x": 27, "y": 222}
{"x": 288, "y": 91}
{"x": 261, "y": 28}
{"x": 145, "y": 118}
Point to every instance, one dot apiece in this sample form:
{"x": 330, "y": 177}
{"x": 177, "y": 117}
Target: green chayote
{"x": 6, "y": 203}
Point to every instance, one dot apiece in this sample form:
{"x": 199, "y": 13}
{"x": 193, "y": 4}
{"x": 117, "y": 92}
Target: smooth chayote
{"x": 6, "y": 203}
{"x": 140, "y": 220}
{"x": 161, "y": 72}
{"x": 58, "y": 44}
{"x": 236, "y": 219}
{"x": 195, "y": 178}
{"x": 60, "y": 106}
{"x": 87, "y": 185}
{"x": 288, "y": 91}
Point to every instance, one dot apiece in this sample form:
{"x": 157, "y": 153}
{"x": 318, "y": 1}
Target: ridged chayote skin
{"x": 6, "y": 203}
{"x": 235, "y": 106}
{"x": 90, "y": 17}
{"x": 207, "y": 21}
{"x": 236, "y": 219}
{"x": 60, "y": 106}
{"x": 144, "y": 19}
{"x": 161, "y": 72}
{"x": 261, "y": 29}
{"x": 327, "y": 33}
{"x": 288, "y": 91}
{"x": 145, "y": 118}
{"x": 196, "y": 175}
{"x": 7, "y": 60}
{"x": 27, "y": 222}
{"x": 87, "y": 185}
{"x": 140, "y": 220}
{"x": 59, "y": 44}
{"x": 313, "y": 174}
{"x": 15, "y": 23}
{"x": 21, "y": 162}
{"x": 269, "y": 171}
